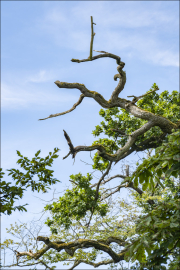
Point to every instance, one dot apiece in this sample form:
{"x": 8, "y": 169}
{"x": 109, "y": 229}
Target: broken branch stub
{"x": 71, "y": 147}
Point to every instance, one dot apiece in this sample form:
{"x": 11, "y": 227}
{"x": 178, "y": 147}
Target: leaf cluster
{"x": 37, "y": 166}
{"x": 164, "y": 162}
{"x": 157, "y": 228}
{"x": 118, "y": 123}
{"x": 75, "y": 203}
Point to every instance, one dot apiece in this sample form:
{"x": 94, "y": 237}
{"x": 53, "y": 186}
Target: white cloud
{"x": 41, "y": 76}
{"x": 144, "y": 47}
{"x": 131, "y": 27}
{"x": 34, "y": 89}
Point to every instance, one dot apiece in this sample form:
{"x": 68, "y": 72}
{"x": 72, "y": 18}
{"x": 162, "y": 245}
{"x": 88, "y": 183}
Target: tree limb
{"x": 71, "y": 147}
{"x": 80, "y": 243}
{"x": 120, "y": 152}
{"x": 105, "y": 54}
{"x": 165, "y": 124}
{"x": 122, "y": 80}
{"x": 72, "y": 109}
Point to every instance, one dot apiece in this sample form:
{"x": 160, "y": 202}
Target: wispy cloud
{"x": 33, "y": 88}
{"x": 41, "y": 76}
{"x": 20, "y": 97}
{"x": 134, "y": 28}
{"x": 143, "y": 47}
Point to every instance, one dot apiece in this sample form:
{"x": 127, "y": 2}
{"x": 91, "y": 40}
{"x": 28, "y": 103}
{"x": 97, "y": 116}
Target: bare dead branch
{"x": 106, "y": 54}
{"x": 72, "y": 109}
{"x": 165, "y": 124}
{"x": 87, "y": 93}
{"x": 92, "y": 39}
{"x": 122, "y": 80}
{"x": 71, "y": 147}
{"x": 100, "y": 51}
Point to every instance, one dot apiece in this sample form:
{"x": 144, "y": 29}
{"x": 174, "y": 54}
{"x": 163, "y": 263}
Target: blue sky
{"x": 38, "y": 40}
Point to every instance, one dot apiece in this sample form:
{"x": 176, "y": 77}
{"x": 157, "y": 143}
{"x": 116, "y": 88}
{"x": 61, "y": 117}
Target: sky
{"x": 38, "y": 40}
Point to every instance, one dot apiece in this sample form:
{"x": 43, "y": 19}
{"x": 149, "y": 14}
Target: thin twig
{"x": 72, "y": 109}
{"x": 135, "y": 99}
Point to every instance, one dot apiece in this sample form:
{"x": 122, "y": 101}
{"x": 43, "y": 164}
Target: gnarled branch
{"x": 80, "y": 243}
{"x": 165, "y": 124}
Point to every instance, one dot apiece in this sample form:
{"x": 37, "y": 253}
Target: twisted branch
{"x": 105, "y": 54}
{"x": 80, "y": 243}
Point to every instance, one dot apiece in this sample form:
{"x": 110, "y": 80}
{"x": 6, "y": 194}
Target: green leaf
{"x": 37, "y": 153}
{"x": 172, "y": 225}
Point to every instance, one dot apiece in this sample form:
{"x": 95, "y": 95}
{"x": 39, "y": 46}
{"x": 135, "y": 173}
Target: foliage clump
{"x": 75, "y": 203}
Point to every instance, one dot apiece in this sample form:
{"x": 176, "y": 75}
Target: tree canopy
{"x": 91, "y": 223}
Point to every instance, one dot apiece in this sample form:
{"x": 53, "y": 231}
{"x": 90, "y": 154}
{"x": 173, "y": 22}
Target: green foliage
{"x": 148, "y": 226}
{"x": 157, "y": 228}
{"x": 75, "y": 203}
{"x": 99, "y": 162}
{"x": 164, "y": 104}
{"x": 164, "y": 162}
{"x": 8, "y": 195}
{"x": 35, "y": 167}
